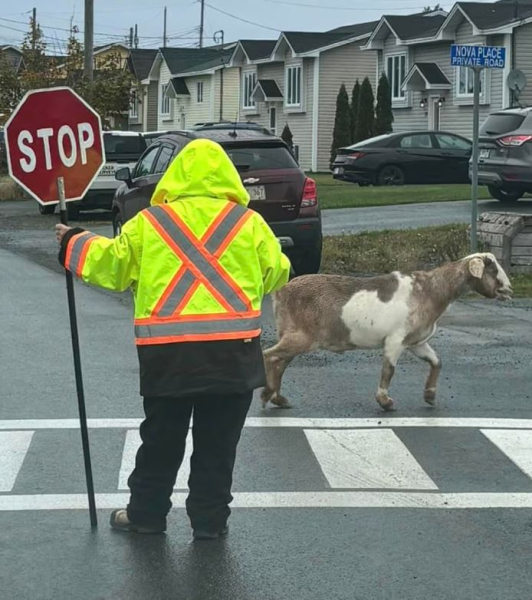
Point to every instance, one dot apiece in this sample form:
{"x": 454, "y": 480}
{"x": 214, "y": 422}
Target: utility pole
{"x": 218, "y": 38}
{"x": 88, "y": 66}
{"x": 136, "y": 38}
{"x": 131, "y": 37}
{"x": 164, "y": 29}
{"x": 33, "y": 29}
{"x": 202, "y": 23}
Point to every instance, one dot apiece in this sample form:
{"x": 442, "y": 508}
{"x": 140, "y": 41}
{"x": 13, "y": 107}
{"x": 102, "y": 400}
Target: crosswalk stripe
{"x": 131, "y": 446}
{"x": 13, "y": 448}
{"x": 266, "y": 500}
{"x": 374, "y": 459}
{"x": 517, "y": 445}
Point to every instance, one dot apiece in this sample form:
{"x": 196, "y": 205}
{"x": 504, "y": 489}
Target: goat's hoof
{"x": 281, "y": 402}
{"x": 386, "y": 403}
{"x": 265, "y": 397}
{"x": 430, "y": 397}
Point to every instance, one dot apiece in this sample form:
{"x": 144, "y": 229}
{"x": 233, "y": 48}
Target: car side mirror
{"x": 124, "y": 174}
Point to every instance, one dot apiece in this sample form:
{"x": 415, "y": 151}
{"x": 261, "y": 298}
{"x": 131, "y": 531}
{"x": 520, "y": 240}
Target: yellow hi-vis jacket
{"x": 198, "y": 260}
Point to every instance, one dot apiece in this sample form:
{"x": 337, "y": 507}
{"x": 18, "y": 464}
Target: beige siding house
{"x": 295, "y": 80}
{"x": 427, "y": 93}
{"x": 194, "y": 86}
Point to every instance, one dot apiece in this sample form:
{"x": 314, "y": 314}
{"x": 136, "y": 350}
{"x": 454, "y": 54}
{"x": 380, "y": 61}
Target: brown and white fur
{"x": 394, "y": 312}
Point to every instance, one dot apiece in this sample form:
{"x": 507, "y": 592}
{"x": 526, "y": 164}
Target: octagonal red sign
{"x": 54, "y": 133}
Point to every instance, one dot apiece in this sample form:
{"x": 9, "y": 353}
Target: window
{"x": 466, "y": 77}
{"x": 396, "y": 72}
{"x": 145, "y": 164}
{"x": 451, "y": 142}
{"x": 293, "y": 86}
{"x": 134, "y": 106}
{"x": 500, "y": 123}
{"x": 166, "y": 155}
{"x": 260, "y": 157}
{"x": 421, "y": 140}
{"x": 249, "y": 83}
{"x": 123, "y": 147}
{"x": 165, "y": 101}
{"x": 199, "y": 91}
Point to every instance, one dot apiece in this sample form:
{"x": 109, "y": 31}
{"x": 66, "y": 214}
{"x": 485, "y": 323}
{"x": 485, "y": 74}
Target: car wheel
{"x": 117, "y": 224}
{"x": 47, "y": 209}
{"x": 391, "y": 175}
{"x": 505, "y": 195}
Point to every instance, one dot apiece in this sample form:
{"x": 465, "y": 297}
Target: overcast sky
{"x": 265, "y": 18}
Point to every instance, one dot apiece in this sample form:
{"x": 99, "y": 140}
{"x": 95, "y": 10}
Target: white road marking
{"x": 517, "y": 445}
{"x": 262, "y": 500}
{"x": 131, "y": 446}
{"x": 13, "y": 448}
{"x": 296, "y": 422}
{"x": 374, "y": 459}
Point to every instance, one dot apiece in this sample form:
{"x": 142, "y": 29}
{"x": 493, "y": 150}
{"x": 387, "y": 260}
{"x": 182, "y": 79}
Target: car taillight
{"x": 355, "y": 155}
{"x": 514, "y": 140}
{"x": 310, "y": 194}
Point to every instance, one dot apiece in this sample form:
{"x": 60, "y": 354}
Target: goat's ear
{"x": 476, "y": 267}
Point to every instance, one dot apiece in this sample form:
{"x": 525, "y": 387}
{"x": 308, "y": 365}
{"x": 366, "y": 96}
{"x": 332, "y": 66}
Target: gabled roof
{"x": 496, "y": 14}
{"x": 301, "y": 41}
{"x": 426, "y": 76}
{"x": 356, "y": 29}
{"x": 179, "y": 87}
{"x": 140, "y": 62}
{"x": 266, "y": 90}
{"x": 414, "y": 26}
{"x": 191, "y": 60}
{"x": 258, "y": 49}
{"x": 102, "y": 48}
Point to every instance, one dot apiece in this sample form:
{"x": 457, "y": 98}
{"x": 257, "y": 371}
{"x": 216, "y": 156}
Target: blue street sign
{"x": 483, "y": 57}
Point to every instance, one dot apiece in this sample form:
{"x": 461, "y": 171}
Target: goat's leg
{"x": 426, "y": 353}
{"x": 276, "y": 359}
{"x": 393, "y": 348}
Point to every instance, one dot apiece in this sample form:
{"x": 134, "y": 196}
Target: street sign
{"x": 483, "y": 57}
{"x": 476, "y": 58}
{"x": 52, "y": 134}
{"x": 54, "y": 151}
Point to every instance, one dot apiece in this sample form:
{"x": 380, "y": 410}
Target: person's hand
{"x": 60, "y": 231}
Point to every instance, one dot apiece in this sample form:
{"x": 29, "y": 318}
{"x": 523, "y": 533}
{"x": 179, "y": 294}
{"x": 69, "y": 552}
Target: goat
{"x": 395, "y": 311}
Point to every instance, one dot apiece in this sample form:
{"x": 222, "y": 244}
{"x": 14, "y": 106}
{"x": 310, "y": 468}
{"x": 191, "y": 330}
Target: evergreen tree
{"x": 355, "y": 103}
{"x": 366, "y": 112}
{"x": 37, "y": 71}
{"x": 342, "y": 123}
{"x": 383, "y": 111}
{"x": 287, "y": 136}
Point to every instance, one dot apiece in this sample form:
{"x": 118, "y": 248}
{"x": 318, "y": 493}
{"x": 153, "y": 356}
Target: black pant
{"x": 216, "y": 429}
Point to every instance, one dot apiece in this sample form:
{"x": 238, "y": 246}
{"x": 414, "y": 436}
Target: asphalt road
{"x": 333, "y": 499}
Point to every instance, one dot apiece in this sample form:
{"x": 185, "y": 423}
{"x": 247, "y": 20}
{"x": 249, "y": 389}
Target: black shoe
{"x": 119, "y": 521}
{"x": 203, "y": 535}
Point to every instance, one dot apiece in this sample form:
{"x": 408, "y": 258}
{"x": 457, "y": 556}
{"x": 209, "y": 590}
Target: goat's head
{"x": 487, "y": 277}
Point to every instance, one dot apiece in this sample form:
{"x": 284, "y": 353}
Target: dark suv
{"x": 279, "y": 189}
{"x": 505, "y": 154}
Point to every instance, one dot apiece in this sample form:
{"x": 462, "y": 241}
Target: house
{"x": 115, "y": 51}
{"x": 11, "y": 56}
{"x": 414, "y": 52}
{"x": 196, "y": 85}
{"x": 143, "y": 113}
{"x": 295, "y": 80}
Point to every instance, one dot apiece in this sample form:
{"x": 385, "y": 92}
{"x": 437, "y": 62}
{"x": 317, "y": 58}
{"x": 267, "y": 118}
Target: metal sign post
{"x": 77, "y": 368}
{"x": 476, "y": 58}
{"x": 474, "y": 159}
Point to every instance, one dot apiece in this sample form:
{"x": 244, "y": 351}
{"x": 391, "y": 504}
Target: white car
{"x": 122, "y": 149}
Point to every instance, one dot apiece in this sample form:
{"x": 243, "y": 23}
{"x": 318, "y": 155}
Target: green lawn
{"x": 378, "y": 252}
{"x": 338, "y": 194}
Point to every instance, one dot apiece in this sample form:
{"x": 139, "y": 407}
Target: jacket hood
{"x": 202, "y": 169}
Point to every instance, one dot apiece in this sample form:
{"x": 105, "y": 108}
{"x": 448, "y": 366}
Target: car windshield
{"x": 501, "y": 123}
{"x": 260, "y": 157}
{"x": 123, "y": 147}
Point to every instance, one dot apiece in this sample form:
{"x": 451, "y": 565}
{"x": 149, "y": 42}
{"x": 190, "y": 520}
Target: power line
{"x": 240, "y": 18}
{"x": 350, "y": 8}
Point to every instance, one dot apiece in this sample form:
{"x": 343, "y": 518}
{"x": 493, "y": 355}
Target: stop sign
{"x": 54, "y": 133}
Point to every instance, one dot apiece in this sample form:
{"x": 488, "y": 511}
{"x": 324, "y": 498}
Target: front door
{"x": 434, "y": 114}
{"x": 273, "y": 120}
